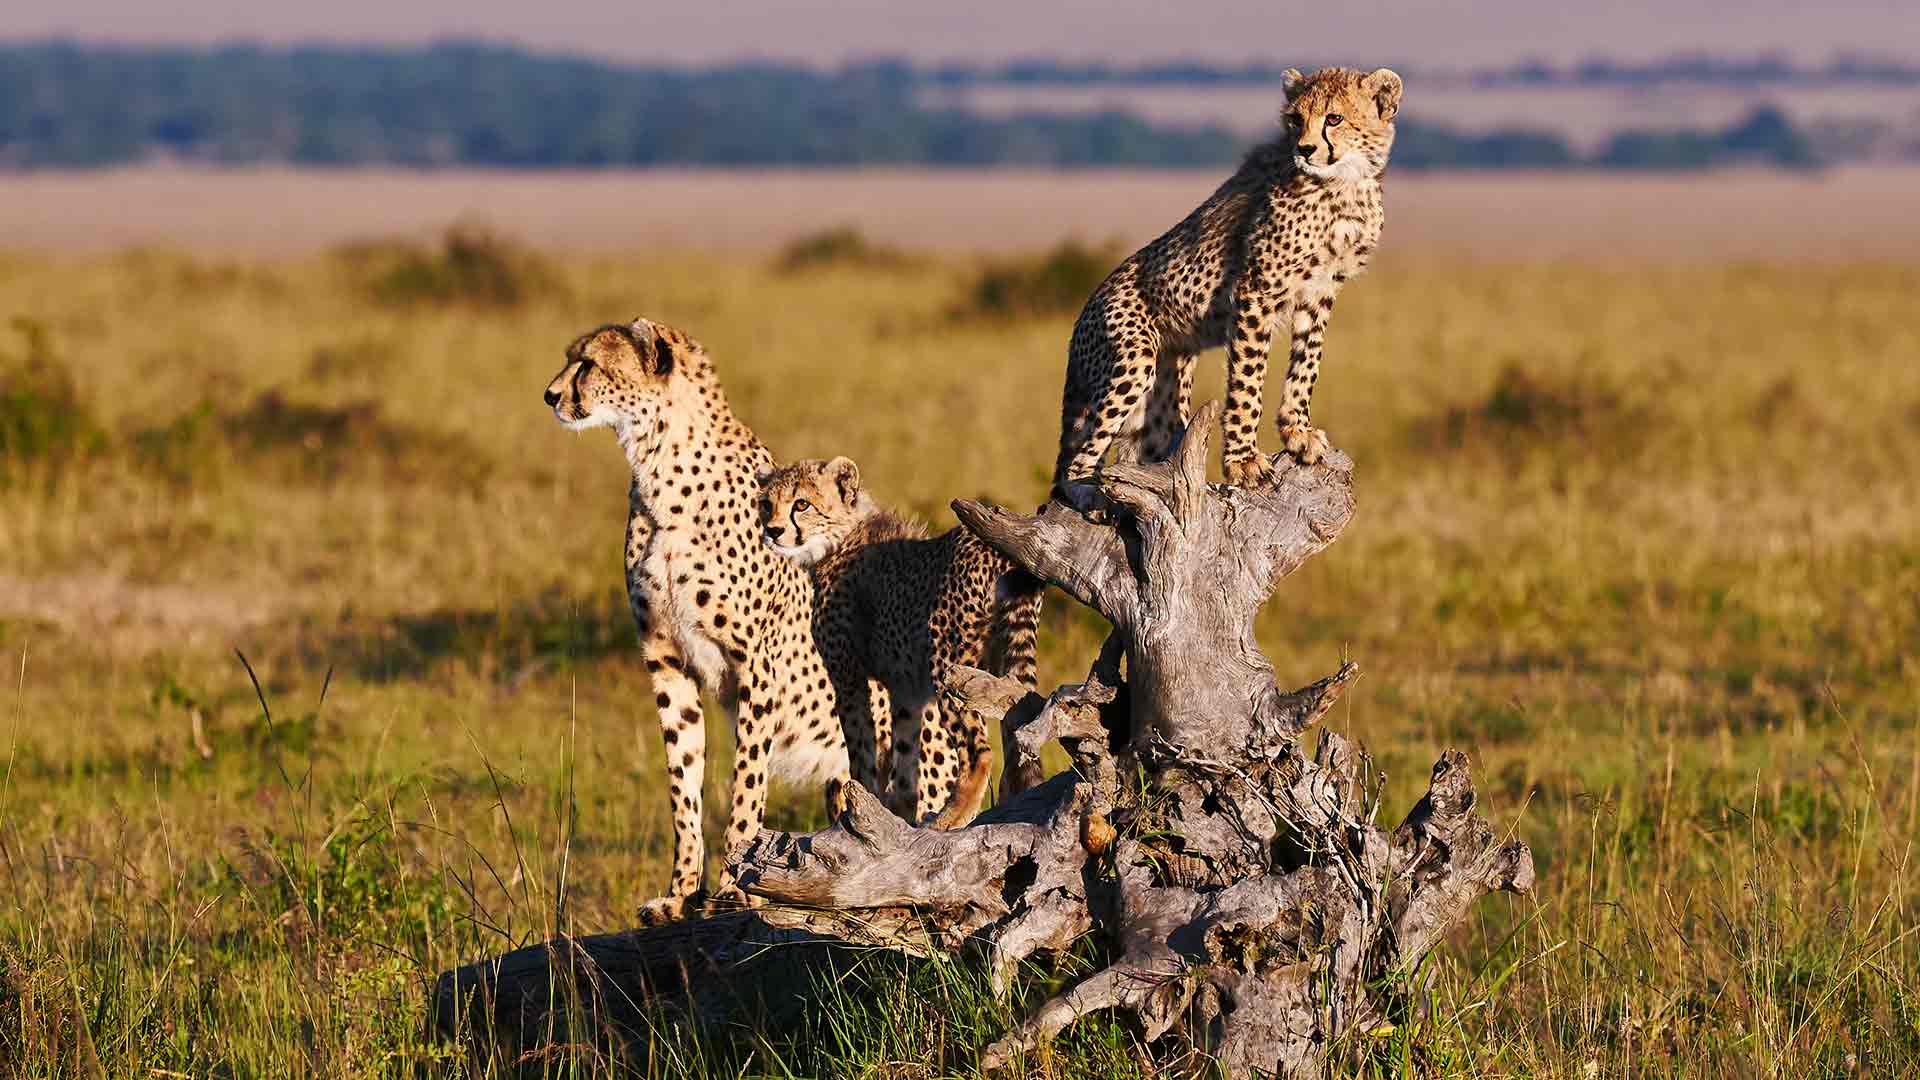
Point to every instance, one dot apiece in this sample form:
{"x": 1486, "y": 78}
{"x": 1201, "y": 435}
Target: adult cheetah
{"x": 895, "y": 606}
{"x": 1270, "y": 248}
{"x": 717, "y": 611}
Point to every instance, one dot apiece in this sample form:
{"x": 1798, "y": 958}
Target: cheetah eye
{"x": 1334, "y": 120}
{"x": 802, "y": 505}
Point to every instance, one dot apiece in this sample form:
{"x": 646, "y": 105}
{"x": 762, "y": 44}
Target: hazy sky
{"x": 1433, "y": 34}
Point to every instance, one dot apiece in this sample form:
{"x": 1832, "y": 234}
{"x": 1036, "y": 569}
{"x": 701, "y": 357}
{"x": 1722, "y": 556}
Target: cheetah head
{"x": 1341, "y": 121}
{"x": 616, "y": 376}
{"x": 808, "y": 508}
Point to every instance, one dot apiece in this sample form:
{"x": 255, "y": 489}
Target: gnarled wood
{"x": 1259, "y": 914}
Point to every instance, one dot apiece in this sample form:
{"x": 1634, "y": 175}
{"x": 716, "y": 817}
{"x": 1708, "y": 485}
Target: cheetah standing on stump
{"x": 1270, "y": 248}
{"x": 717, "y": 611}
{"x": 894, "y": 606}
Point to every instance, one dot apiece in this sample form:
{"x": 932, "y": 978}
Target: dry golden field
{"x": 1639, "y": 530}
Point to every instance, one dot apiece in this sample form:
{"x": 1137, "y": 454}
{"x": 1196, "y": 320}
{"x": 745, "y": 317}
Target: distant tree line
{"x": 65, "y": 105}
{"x": 1765, "y": 69}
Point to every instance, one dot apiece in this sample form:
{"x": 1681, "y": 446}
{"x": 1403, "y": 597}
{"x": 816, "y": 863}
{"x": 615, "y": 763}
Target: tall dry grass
{"x": 1642, "y": 539}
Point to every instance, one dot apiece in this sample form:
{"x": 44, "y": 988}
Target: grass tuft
{"x": 841, "y": 246}
{"x": 473, "y": 266}
{"x": 1527, "y": 408}
{"x": 42, "y": 415}
{"x": 1056, "y": 282}
{"x": 304, "y": 442}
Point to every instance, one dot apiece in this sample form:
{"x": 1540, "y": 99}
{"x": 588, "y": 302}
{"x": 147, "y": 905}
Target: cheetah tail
{"x": 1011, "y": 653}
{"x": 1011, "y": 638}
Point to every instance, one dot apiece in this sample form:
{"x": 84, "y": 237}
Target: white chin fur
{"x": 805, "y": 554}
{"x": 1351, "y": 167}
{"x": 599, "y": 417}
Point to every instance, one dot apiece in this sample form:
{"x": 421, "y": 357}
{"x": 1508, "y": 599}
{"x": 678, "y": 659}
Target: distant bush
{"x": 1530, "y": 407}
{"x": 42, "y": 416}
{"x": 1055, "y": 283}
{"x": 347, "y": 360}
{"x": 307, "y": 442}
{"x": 472, "y": 266}
{"x": 843, "y": 245}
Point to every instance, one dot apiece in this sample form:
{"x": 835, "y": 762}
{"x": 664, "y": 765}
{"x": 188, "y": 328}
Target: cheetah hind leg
{"x": 1114, "y": 413}
{"x": 1168, "y": 407}
{"x": 970, "y": 755}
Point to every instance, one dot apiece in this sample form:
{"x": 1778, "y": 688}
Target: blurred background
{"x": 319, "y": 676}
{"x": 375, "y": 117}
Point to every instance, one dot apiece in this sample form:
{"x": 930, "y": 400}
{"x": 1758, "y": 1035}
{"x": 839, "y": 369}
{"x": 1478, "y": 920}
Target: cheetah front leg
{"x": 1241, "y": 459}
{"x": 911, "y": 711}
{"x": 859, "y": 704}
{"x": 867, "y": 760}
{"x": 683, "y": 727}
{"x": 1301, "y": 439}
{"x": 756, "y": 708}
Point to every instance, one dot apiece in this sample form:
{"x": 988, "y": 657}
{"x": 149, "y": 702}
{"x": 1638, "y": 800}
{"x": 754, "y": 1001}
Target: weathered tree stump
{"x": 1259, "y": 916}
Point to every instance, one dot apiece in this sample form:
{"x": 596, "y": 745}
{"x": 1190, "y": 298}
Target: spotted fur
{"x": 898, "y": 607}
{"x": 1269, "y": 249}
{"x": 716, "y": 610}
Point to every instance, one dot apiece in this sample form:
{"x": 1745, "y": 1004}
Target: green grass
{"x": 1645, "y": 541}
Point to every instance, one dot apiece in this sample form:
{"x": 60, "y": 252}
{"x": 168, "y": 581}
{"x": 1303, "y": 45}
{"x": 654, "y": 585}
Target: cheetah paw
{"x": 1253, "y": 471}
{"x": 730, "y": 897}
{"x": 662, "y": 910}
{"x": 1083, "y": 496}
{"x": 839, "y": 799}
{"x": 1306, "y": 444}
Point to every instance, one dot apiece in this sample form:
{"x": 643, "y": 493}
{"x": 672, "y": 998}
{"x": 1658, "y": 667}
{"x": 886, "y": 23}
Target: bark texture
{"x": 1258, "y": 915}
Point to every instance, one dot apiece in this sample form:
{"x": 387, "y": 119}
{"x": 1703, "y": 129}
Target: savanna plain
{"x": 319, "y": 677}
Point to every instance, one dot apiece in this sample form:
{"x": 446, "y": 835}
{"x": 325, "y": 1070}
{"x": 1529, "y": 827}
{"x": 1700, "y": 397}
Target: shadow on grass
{"x": 507, "y": 645}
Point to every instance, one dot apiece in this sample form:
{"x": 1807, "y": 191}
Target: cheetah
{"x": 898, "y": 607}
{"x": 1270, "y": 248}
{"x": 716, "y": 610}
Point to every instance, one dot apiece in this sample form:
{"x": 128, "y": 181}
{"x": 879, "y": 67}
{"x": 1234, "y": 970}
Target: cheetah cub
{"x": 896, "y": 607}
{"x": 1268, "y": 250}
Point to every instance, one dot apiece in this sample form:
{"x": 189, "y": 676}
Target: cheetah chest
{"x": 1349, "y": 239}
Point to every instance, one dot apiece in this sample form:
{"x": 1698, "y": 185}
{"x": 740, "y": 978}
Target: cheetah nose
{"x": 774, "y": 534}
{"x": 553, "y": 397}
{"x": 1306, "y": 150}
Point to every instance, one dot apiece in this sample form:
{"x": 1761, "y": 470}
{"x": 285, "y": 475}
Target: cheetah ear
{"x": 1384, "y": 84}
{"x": 642, "y": 328}
{"x": 1292, "y": 82}
{"x": 846, "y": 478}
{"x": 763, "y": 474}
